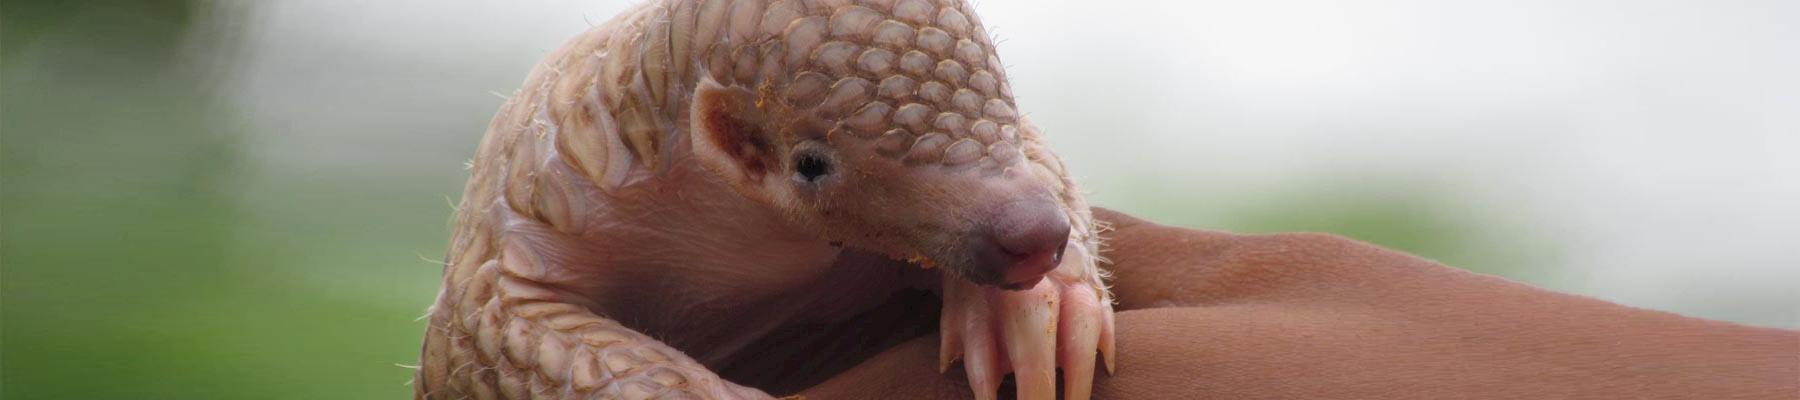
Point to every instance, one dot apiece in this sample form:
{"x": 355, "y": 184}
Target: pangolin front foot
{"x": 1058, "y": 323}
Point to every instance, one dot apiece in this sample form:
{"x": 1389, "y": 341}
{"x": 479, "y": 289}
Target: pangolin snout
{"x": 1024, "y": 240}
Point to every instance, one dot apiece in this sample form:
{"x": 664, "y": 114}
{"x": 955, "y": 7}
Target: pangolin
{"x": 670, "y": 188}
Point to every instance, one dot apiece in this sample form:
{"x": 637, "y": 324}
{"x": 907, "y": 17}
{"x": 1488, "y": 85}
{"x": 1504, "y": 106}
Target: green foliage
{"x": 130, "y": 270}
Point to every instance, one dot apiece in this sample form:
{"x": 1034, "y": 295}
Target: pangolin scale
{"x": 916, "y": 80}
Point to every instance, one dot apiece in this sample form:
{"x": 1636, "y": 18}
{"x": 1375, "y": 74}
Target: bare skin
{"x": 1295, "y": 316}
{"x": 674, "y": 192}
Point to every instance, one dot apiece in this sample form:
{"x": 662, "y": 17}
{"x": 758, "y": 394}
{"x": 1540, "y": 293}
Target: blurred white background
{"x": 1641, "y": 152}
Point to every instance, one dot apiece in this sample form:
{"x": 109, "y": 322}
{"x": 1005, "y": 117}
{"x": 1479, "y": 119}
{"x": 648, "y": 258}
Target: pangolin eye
{"x": 811, "y": 166}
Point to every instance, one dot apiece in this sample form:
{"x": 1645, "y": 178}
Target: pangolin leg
{"x": 501, "y": 336}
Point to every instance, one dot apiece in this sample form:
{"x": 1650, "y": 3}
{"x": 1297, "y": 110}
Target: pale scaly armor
{"x": 607, "y": 117}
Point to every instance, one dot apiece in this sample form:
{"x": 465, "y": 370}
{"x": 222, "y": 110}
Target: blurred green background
{"x": 244, "y": 199}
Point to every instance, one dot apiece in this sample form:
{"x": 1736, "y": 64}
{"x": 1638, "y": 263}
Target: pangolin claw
{"x": 1062, "y": 322}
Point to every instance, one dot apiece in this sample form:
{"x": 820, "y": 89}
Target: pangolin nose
{"x": 1028, "y": 238}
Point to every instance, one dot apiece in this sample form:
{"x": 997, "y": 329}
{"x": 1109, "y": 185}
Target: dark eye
{"x": 811, "y": 167}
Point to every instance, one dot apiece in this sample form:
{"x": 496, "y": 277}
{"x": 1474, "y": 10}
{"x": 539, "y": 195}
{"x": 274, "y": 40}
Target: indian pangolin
{"x": 673, "y": 186}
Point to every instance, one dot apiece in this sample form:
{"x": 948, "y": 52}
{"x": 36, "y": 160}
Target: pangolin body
{"x": 606, "y": 118}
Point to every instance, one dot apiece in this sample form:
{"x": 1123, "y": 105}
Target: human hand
{"x": 1219, "y": 315}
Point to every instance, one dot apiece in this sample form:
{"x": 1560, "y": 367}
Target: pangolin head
{"x": 888, "y": 126}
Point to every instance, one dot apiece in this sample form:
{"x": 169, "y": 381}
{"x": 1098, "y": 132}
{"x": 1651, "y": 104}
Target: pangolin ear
{"x": 730, "y": 135}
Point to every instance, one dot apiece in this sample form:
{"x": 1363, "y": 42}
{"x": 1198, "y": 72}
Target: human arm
{"x": 1219, "y": 315}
